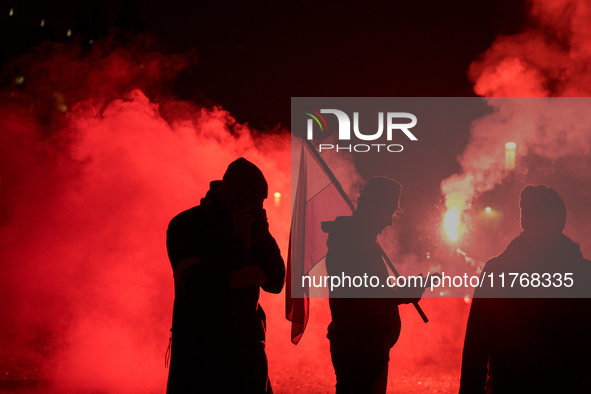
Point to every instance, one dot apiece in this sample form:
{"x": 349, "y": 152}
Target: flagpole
{"x": 340, "y": 189}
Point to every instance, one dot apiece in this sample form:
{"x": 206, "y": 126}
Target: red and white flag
{"x": 318, "y": 199}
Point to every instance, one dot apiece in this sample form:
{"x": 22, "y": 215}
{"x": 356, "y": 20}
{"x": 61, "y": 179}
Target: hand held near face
{"x": 242, "y": 219}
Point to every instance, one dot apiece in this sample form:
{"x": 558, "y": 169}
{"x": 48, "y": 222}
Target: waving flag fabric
{"x": 317, "y": 200}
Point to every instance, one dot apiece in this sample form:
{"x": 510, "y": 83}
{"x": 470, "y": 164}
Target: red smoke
{"x": 96, "y": 158}
{"x": 549, "y": 59}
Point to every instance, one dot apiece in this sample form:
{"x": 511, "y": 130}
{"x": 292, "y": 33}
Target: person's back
{"x": 541, "y": 347}
{"x": 532, "y": 343}
{"x": 372, "y": 323}
{"x": 537, "y": 344}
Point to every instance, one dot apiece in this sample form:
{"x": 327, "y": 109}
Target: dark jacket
{"x": 368, "y": 324}
{"x": 531, "y": 345}
{"x": 214, "y": 327}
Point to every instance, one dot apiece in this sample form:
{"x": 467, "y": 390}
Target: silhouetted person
{"x": 222, "y": 253}
{"x": 526, "y": 344}
{"x": 363, "y": 330}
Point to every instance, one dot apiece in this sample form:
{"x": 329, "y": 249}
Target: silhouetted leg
{"x": 212, "y": 367}
{"x": 361, "y": 372}
{"x": 183, "y": 364}
{"x": 255, "y": 370}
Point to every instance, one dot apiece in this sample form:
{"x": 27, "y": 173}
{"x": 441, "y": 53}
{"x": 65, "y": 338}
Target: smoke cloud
{"x": 527, "y": 78}
{"x": 96, "y": 158}
{"x": 546, "y": 61}
{"x": 550, "y": 58}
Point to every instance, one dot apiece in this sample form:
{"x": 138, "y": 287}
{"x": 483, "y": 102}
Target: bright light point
{"x": 451, "y": 221}
{"x": 467, "y": 299}
{"x": 19, "y": 80}
{"x": 69, "y": 33}
{"x": 487, "y": 209}
{"x": 441, "y": 293}
{"x": 42, "y": 22}
{"x": 91, "y": 41}
{"x": 510, "y": 155}
{"x": 11, "y": 13}
{"x": 277, "y": 195}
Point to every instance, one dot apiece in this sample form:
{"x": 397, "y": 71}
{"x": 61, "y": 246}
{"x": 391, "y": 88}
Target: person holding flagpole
{"x": 365, "y": 320}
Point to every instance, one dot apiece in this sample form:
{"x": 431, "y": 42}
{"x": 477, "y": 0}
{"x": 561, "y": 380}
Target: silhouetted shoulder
{"x": 339, "y": 229}
{"x": 191, "y": 216}
{"x": 494, "y": 263}
{"x": 187, "y": 233}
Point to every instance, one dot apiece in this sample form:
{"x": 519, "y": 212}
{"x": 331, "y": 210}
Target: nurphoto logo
{"x": 344, "y": 133}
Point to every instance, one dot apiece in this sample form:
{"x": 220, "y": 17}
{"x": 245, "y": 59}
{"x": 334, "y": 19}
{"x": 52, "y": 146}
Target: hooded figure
{"x": 221, "y": 254}
{"x": 364, "y": 328}
{"x": 532, "y": 337}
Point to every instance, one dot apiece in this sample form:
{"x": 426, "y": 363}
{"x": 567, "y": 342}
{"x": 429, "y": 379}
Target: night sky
{"x": 254, "y": 56}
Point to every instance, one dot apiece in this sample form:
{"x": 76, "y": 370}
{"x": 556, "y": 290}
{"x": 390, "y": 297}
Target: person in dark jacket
{"x": 532, "y": 336}
{"x": 221, "y": 254}
{"x": 364, "y": 328}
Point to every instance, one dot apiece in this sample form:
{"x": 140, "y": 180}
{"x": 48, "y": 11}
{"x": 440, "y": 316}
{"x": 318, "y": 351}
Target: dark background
{"x": 254, "y": 56}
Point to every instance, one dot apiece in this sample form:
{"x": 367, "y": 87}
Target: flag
{"x": 319, "y": 198}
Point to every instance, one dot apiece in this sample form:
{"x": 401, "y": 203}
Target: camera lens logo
{"x": 317, "y": 121}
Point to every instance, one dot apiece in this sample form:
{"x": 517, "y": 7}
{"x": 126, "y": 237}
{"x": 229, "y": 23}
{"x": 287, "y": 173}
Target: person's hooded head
{"x": 378, "y": 202}
{"x": 244, "y": 184}
{"x": 543, "y": 211}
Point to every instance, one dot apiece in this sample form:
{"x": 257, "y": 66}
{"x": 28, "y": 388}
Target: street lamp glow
{"x": 487, "y": 209}
{"x": 510, "y": 155}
